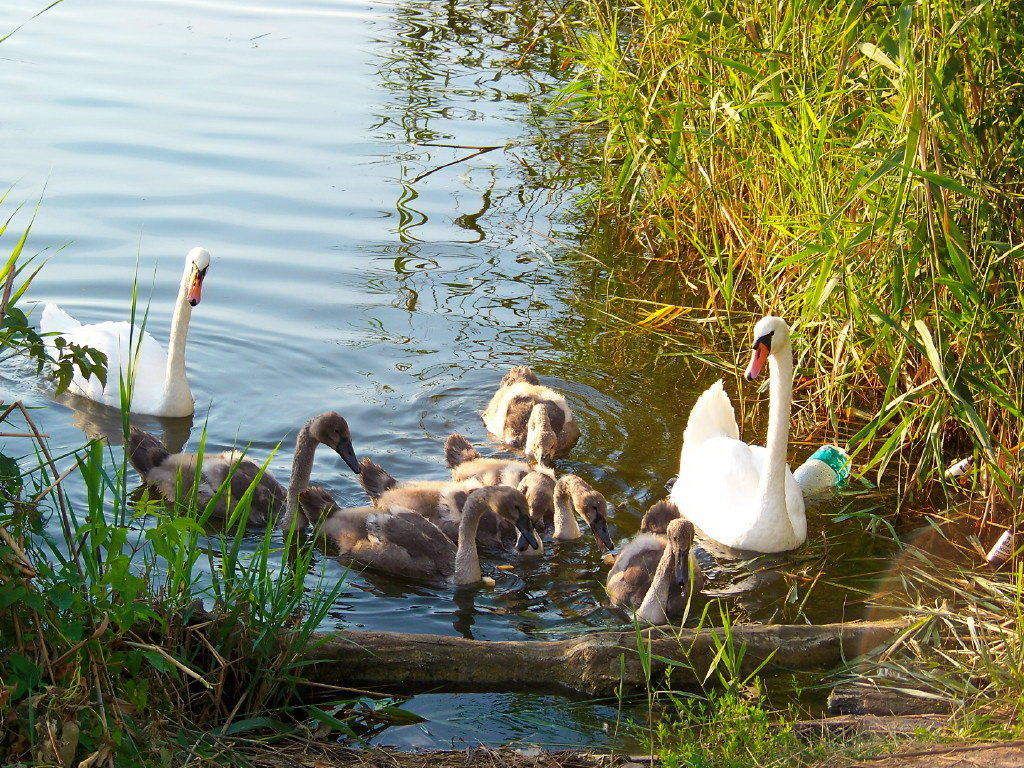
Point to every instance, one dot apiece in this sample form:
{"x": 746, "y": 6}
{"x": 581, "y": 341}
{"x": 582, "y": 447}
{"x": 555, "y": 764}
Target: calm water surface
{"x": 296, "y": 142}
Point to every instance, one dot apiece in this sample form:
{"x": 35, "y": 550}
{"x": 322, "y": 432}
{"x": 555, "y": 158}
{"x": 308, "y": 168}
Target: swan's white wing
{"x": 55, "y": 320}
{"x": 716, "y": 486}
{"x": 717, "y": 490}
{"x": 115, "y": 340}
{"x": 711, "y": 416}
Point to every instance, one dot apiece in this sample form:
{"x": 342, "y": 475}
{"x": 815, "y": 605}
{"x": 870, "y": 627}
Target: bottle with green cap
{"x": 826, "y": 470}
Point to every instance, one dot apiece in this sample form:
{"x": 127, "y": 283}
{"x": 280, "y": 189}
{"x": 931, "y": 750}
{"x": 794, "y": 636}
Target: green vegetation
{"x": 964, "y": 645}
{"x": 726, "y": 724}
{"x": 855, "y": 167}
{"x": 107, "y": 654}
{"x": 726, "y": 730}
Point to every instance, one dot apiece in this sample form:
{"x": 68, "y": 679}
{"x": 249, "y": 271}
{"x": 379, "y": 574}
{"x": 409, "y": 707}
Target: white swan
{"x": 744, "y": 496}
{"x": 160, "y": 385}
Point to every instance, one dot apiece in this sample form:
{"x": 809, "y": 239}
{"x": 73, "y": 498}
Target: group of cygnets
{"x": 738, "y": 495}
{"x": 434, "y": 530}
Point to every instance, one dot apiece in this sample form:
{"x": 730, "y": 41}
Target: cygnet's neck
{"x": 652, "y": 609}
{"x": 302, "y": 469}
{"x": 467, "y": 558}
{"x": 566, "y": 526}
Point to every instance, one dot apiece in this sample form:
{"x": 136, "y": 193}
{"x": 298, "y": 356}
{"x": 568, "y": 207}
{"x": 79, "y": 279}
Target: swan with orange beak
{"x": 744, "y": 496}
{"x": 158, "y": 382}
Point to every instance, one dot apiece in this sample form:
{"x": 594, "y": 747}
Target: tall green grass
{"x": 855, "y": 167}
{"x": 131, "y": 635}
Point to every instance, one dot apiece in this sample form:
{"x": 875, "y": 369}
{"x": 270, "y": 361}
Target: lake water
{"x": 303, "y": 144}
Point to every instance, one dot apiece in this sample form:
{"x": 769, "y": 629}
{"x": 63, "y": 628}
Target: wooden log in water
{"x": 593, "y": 664}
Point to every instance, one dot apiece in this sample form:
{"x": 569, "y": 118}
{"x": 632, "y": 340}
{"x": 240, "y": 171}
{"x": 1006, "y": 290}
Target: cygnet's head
{"x": 680, "y": 538}
{"x": 315, "y": 505}
{"x": 658, "y": 517}
{"x": 539, "y": 490}
{"x": 771, "y": 336}
{"x": 197, "y": 261}
{"x": 509, "y": 504}
{"x": 594, "y": 509}
{"x": 541, "y": 440}
{"x": 331, "y": 429}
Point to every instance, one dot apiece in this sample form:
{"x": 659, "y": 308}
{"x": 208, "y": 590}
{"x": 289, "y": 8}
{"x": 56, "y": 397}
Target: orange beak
{"x": 195, "y": 290}
{"x": 757, "y": 361}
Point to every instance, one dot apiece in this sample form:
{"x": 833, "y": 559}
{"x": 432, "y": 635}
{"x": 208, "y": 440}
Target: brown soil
{"x": 1007, "y": 754}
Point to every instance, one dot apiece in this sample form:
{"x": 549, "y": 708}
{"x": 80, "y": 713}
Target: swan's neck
{"x": 467, "y": 559}
{"x": 176, "y": 390}
{"x": 566, "y": 527}
{"x": 771, "y": 489}
{"x": 652, "y": 609}
{"x": 302, "y": 468}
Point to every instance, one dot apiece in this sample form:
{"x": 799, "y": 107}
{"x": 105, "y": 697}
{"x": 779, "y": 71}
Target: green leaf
{"x": 339, "y": 725}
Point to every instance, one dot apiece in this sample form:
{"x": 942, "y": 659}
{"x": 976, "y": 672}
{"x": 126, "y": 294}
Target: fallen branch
{"x": 594, "y": 665}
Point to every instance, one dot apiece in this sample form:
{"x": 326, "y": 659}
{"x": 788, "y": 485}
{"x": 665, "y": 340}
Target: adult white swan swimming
{"x": 740, "y": 495}
{"x": 160, "y": 385}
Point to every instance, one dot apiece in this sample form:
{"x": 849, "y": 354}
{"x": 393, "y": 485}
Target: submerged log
{"x": 595, "y": 665}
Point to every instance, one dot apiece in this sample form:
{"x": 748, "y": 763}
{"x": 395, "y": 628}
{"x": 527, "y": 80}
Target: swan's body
{"x": 171, "y": 474}
{"x": 656, "y": 575}
{"x": 527, "y": 415}
{"x": 744, "y": 496}
{"x": 403, "y": 543}
{"x": 160, "y": 384}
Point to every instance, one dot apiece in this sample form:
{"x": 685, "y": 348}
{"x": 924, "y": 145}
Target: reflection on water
{"x": 98, "y": 422}
{"x": 369, "y": 259}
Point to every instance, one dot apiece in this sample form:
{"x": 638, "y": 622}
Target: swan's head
{"x": 509, "y": 504}
{"x": 332, "y": 430}
{"x": 771, "y": 335}
{"x": 680, "y": 538}
{"x": 541, "y": 440}
{"x": 197, "y": 261}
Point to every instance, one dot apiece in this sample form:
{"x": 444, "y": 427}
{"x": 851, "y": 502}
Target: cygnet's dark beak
{"x": 682, "y": 567}
{"x": 600, "y": 529}
{"x": 348, "y": 455}
{"x": 526, "y": 535}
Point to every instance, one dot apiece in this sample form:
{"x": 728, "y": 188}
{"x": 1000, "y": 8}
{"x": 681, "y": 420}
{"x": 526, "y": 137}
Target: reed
{"x": 854, "y": 167}
{"x": 964, "y": 642}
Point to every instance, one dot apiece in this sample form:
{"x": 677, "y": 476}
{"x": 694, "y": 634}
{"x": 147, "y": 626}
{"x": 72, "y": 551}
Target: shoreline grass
{"x": 853, "y": 167}
{"x": 108, "y": 655}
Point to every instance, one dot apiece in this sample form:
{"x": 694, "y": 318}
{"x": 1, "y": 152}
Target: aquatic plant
{"x": 853, "y": 167}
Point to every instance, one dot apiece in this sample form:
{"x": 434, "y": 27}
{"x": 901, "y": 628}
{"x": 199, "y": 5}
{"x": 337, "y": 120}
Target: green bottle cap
{"x": 837, "y": 459}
